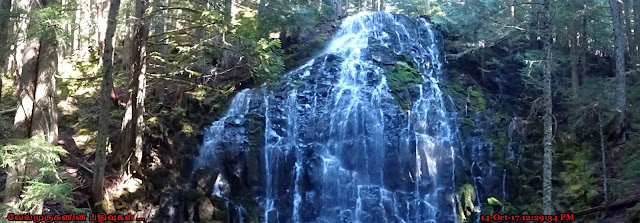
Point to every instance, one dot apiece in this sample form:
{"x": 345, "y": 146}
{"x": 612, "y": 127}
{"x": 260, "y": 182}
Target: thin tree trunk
{"x": 159, "y": 28}
{"x": 574, "y": 55}
{"x": 101, "y": 22}
{"x": 636, "y": 24}
{"x": 343, "y": 9}
{"x": 132, "y": 122}
{"x": 105, "y": 108}
{"x": 199, "y": 35}
{"x": 66, "y": 48}
{"x": 228, "y": 4}
{"x": 605, "y": 187}
{"x": 161, "y": 47}
{"x": 584, "y": 46}
{"x": 533, "y": 30}
{"x": 547, "y": 187}
{"x": 621, "y": 93}
{"x": 627, "y": 24}
{"x": 5, "y": 8}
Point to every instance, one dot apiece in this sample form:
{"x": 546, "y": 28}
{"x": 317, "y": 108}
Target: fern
{"x": 37, "y": 160}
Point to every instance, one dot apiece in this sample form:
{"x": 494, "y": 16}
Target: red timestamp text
{"x": 527, "y": 218}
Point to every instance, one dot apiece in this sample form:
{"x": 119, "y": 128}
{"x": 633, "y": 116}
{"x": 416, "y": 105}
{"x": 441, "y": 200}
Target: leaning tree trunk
{"x": 547, "y": 187}
{"x": 105, "y": 108}
{"x": 132, "y": 122}
{"x": 621, "y": 86}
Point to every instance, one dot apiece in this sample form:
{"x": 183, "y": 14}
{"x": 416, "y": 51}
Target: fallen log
{"x": 8, "y": 111}
{"x": 630, "y": 202}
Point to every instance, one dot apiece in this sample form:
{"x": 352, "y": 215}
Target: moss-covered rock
{"x": 403, "y": 79}
{"x": 466, "y": 208}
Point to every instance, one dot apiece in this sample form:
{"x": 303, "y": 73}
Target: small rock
{"x": 205, "y": 210}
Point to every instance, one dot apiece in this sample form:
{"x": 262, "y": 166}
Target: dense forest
{"x": 106, "y": 105}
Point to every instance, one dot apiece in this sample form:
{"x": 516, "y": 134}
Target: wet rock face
{"x": 359, "y": 133}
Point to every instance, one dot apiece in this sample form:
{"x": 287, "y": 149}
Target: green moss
{"x": 402, "y": 79}
{"x": 466, "y": 97}
{"x": 187, "y": 128}
{"x": 494, "y": 201}
{"x": 500, "y": 141}
{"x": 466, "y": 208}
{"x": 476, "y": 99}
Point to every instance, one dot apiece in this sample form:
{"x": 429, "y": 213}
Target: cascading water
{"x": 351, "y": 136}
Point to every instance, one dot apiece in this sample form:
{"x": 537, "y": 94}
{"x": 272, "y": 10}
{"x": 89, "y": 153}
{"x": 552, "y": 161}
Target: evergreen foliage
{"x": 44, "y": 178}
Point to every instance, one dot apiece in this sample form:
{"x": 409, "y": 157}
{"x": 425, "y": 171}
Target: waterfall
{"x": 350, "y": 136}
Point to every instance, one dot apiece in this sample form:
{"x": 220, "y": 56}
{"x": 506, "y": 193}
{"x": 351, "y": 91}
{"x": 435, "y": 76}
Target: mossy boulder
{"x": 403, "y": 79}
{"x": 466, "y": 208}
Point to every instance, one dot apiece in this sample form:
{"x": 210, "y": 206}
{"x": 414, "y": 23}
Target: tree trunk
{"x": 344, "y": 10}
{"x": 25, "y": 91}
{"x": 603, "y": 154}
{"x": 101, "y": 22}
{"x": 36, "y": 114}
{"x": 627, "y": 24}
{"x": 227, "y": 16}
{"x": 534, "y": 29}
{"x": 621, "y": 93}
{"x": 5, "y": 8}
{"x": 547, "y": 187}
{"x": 198, "y": 36}
{"x": 159, "y": 28}
{"x": 574, "y": 57}
{"x": 132, "y": 122}
{"x": 105, "y": 108}
{"x": 23, "y": 118}
{"x": 584, "y": 46}
{"x": 20, "y": 28}
{"x": 160, "y": 43}
{"x": 44, "y": 120}
{"x": 636, "y": 24}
